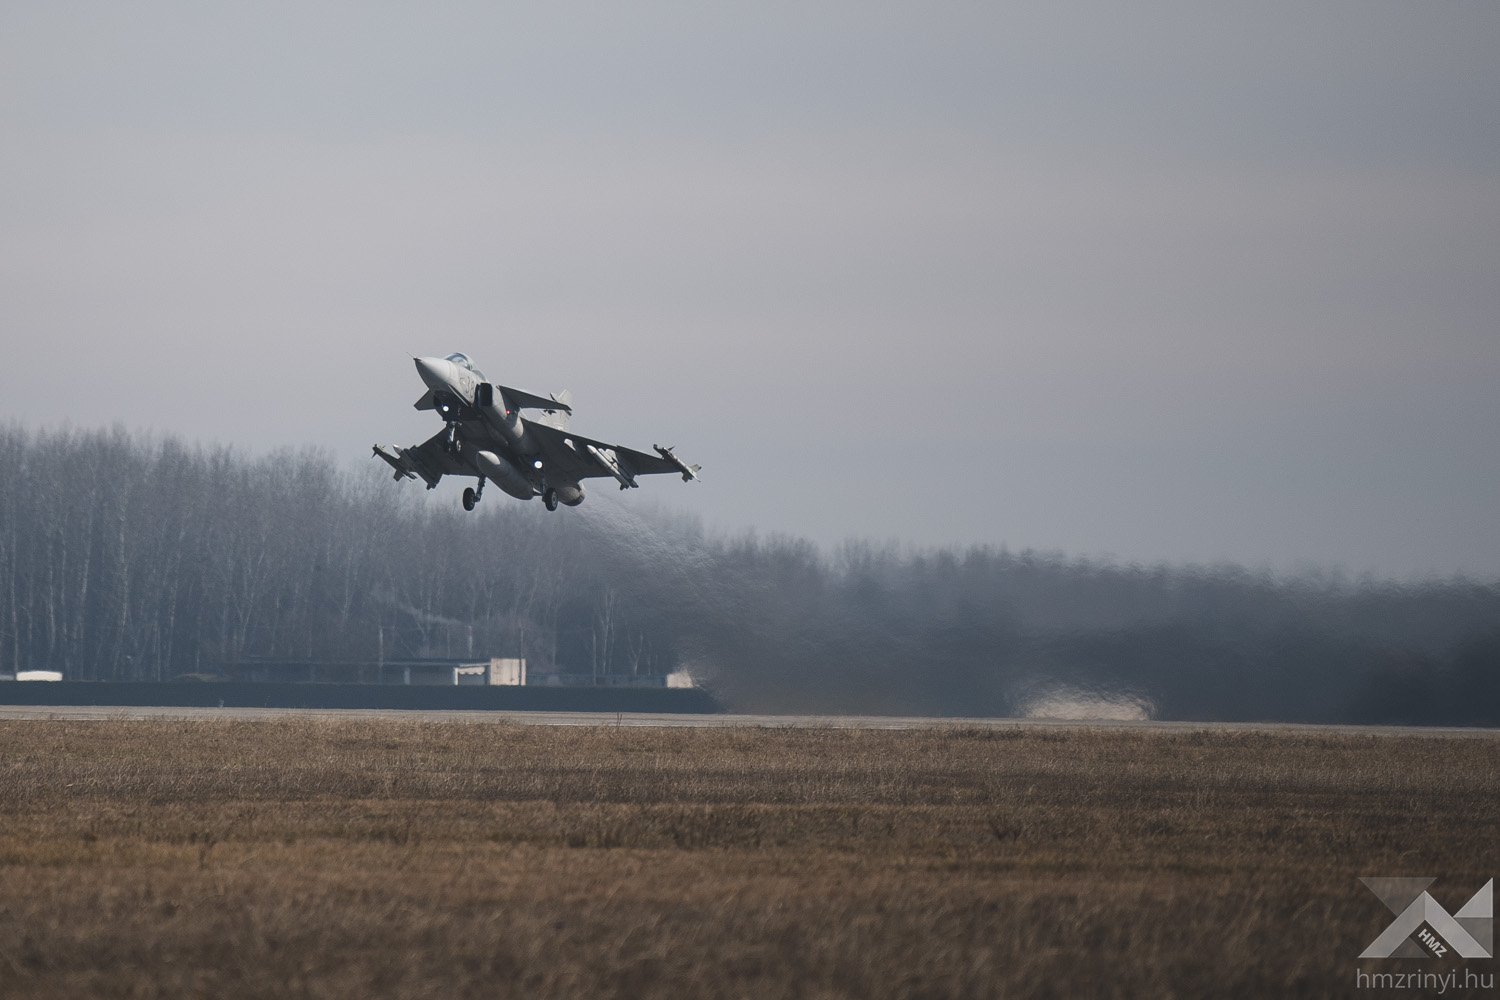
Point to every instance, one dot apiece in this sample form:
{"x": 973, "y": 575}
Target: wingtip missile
{"x": 392, "y": 458}
{"x": 689, "y": 472}
{"x": 397, "y": 459}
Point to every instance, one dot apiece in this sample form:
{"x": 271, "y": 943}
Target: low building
{"x": 499, "y": 671}
{"x": 676, "y": 679}
{"x": 507, "y": 670}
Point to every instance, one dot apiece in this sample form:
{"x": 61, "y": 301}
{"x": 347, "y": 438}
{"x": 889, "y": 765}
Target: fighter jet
{"x": 485, "y": 436}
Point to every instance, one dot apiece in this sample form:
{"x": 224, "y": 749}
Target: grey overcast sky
{"x": 1153, "y": 281}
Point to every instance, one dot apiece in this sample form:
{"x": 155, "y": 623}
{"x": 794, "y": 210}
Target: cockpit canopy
{"x": 462, "y": 360}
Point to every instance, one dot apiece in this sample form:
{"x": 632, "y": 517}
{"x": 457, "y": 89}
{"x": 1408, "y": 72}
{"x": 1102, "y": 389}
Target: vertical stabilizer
{"x": 558, "y": 418}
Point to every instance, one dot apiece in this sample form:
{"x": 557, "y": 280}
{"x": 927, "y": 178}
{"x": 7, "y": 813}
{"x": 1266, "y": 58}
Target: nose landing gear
{"x": 549, "y": 497}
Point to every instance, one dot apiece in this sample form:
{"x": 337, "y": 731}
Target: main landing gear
{"x": 471, "y": 495}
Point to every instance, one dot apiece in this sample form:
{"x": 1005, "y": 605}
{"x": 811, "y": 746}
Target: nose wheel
{"x": 549, "y": 497}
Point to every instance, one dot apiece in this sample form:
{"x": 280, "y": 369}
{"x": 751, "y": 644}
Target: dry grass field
{"x": 313, "y": 858}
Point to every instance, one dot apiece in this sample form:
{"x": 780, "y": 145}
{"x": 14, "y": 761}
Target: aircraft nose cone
{"x": 434, "y": 371}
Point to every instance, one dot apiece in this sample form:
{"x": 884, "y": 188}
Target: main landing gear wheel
{"x": 470, "y": 498}
{"x": 550, "y": 498}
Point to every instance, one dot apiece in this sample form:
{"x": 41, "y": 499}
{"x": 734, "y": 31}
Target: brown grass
{"x": 317, "y": 858}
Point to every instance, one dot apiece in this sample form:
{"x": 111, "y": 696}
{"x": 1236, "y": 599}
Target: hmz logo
{"x": 1423, "y": 929}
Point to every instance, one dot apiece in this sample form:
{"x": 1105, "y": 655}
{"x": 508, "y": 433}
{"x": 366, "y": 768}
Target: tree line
{"x": 134, "y": 557}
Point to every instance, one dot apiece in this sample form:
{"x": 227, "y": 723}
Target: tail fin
{"x": 558, "y": 418}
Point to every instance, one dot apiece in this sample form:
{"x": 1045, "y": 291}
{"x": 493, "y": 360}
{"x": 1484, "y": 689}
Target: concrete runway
{"x": 634, "y": 719}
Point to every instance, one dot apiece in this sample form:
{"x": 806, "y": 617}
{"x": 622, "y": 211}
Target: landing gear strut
{"x": 450, "y": 439}
{"x": 549, "y": 497}
{"x": 471, "y": 495}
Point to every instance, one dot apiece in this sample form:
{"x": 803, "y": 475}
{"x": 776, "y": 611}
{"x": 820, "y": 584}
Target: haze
{"x": 1157, "y": 283}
